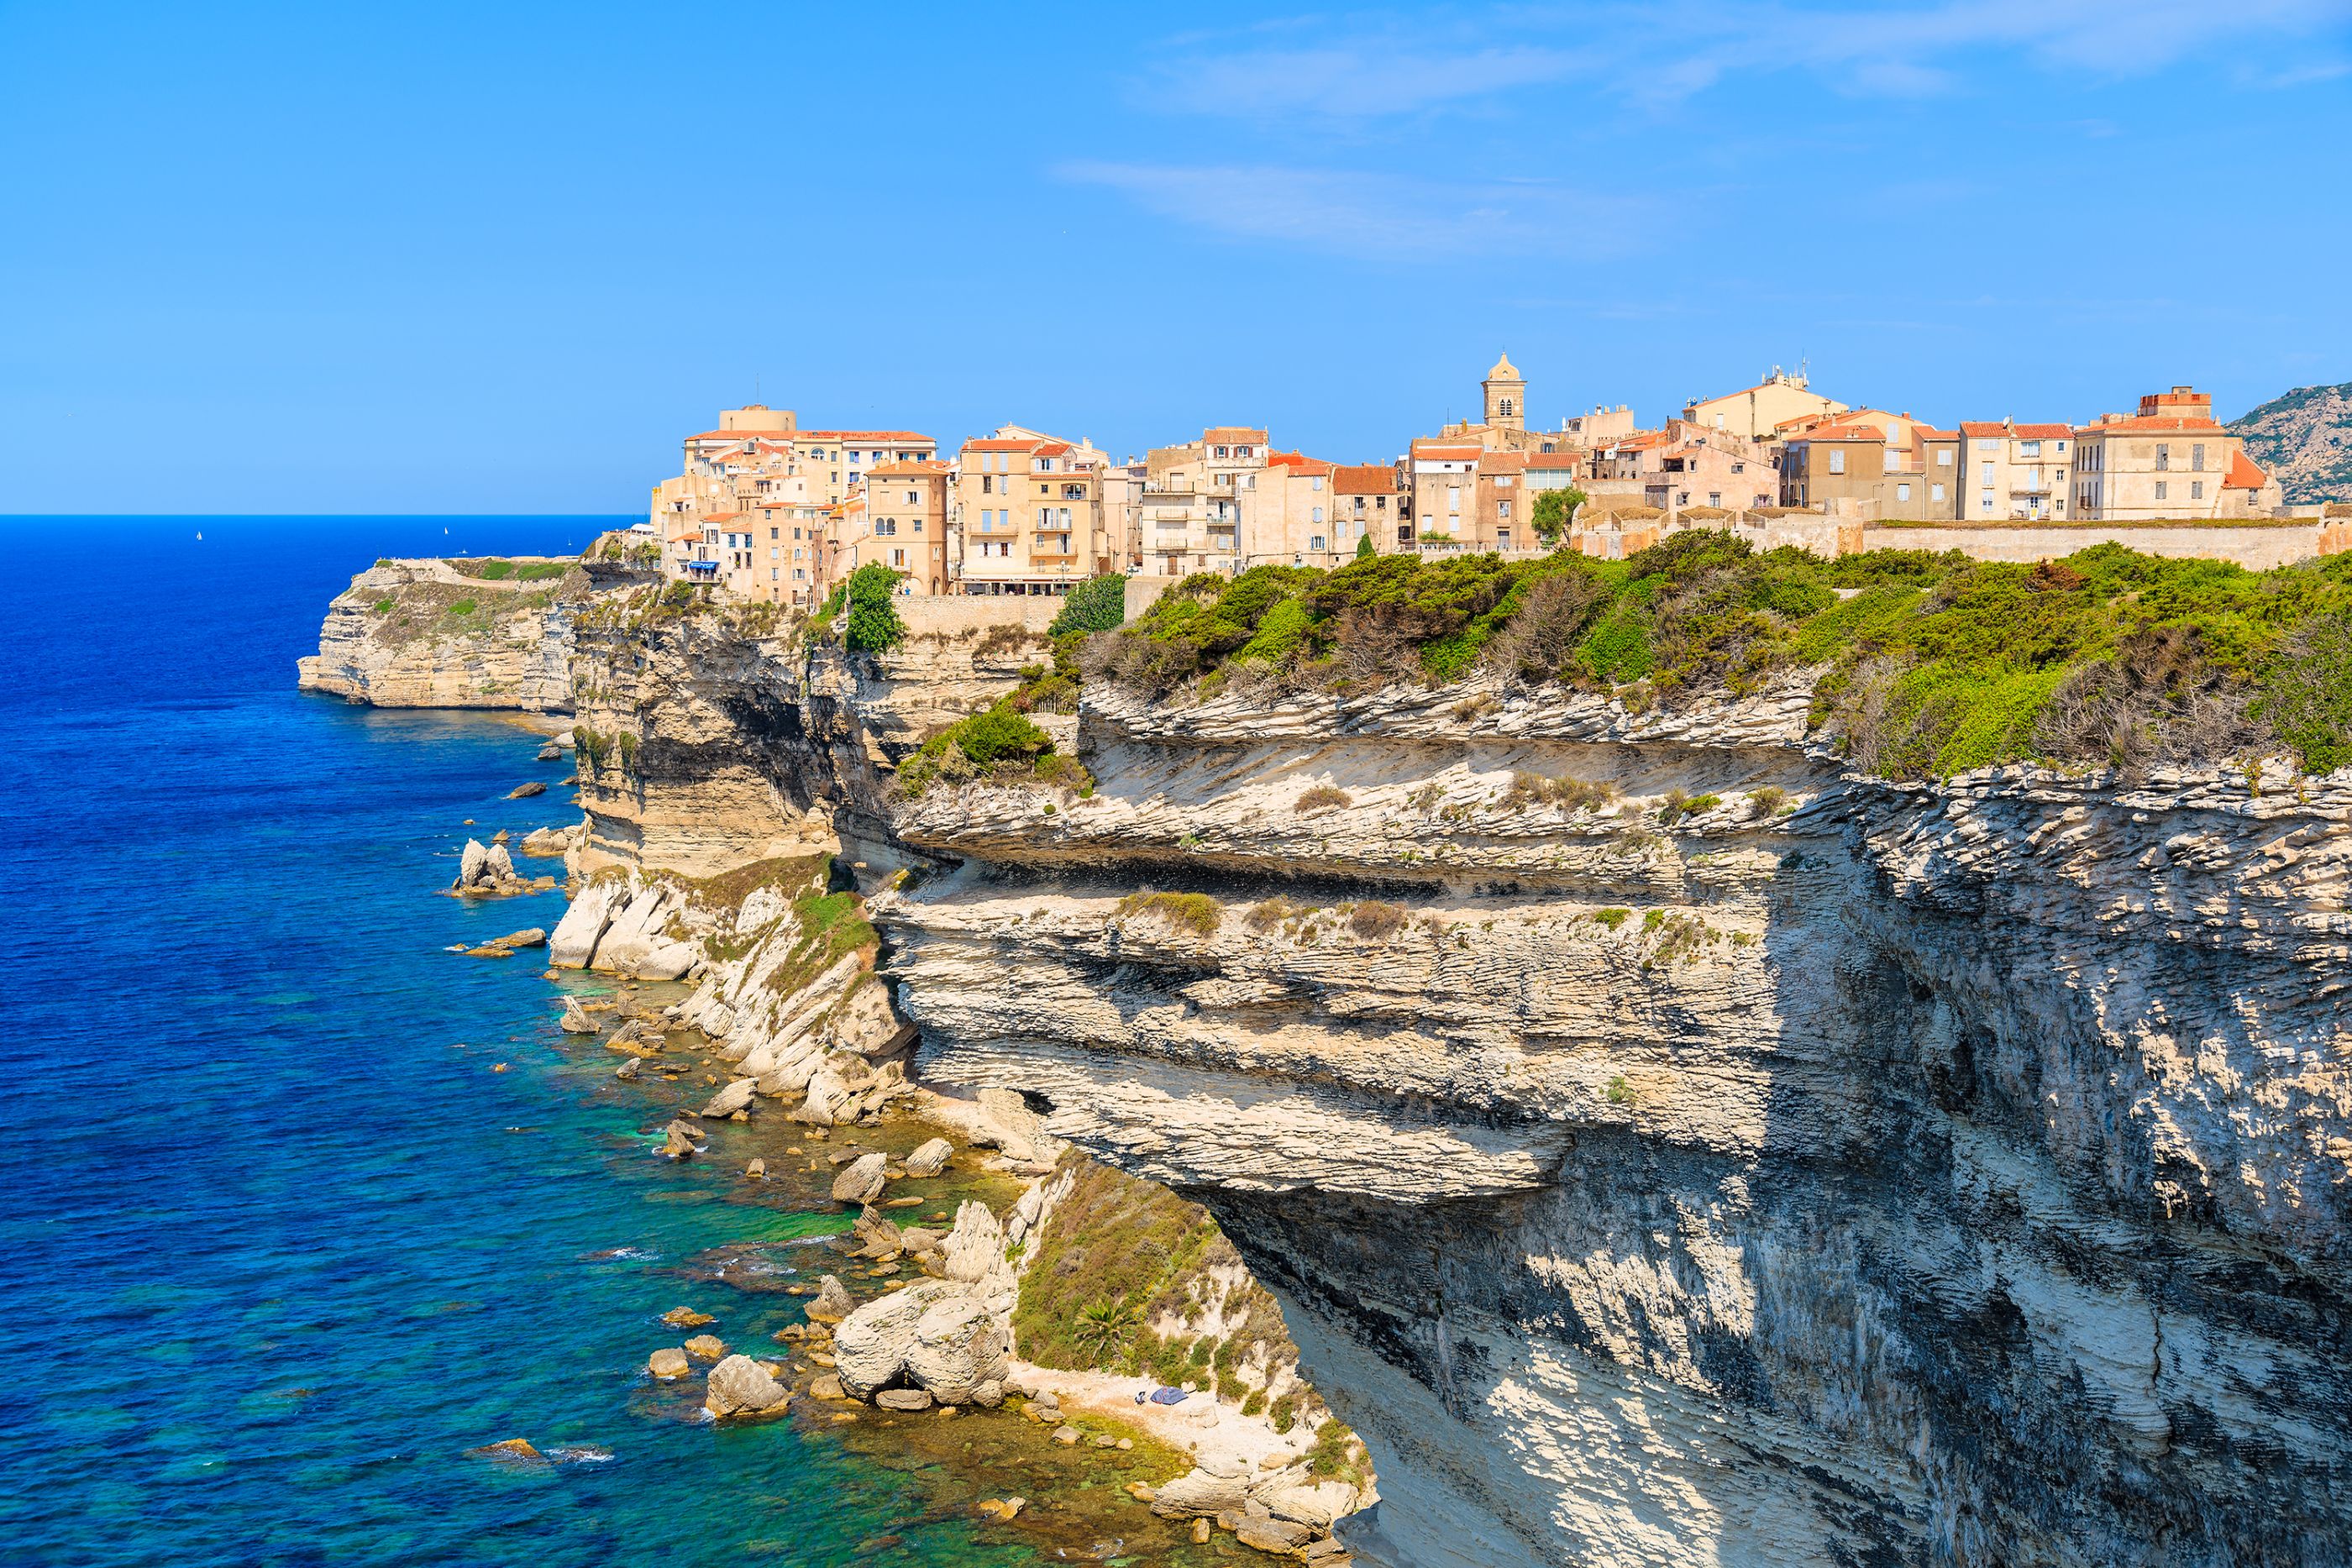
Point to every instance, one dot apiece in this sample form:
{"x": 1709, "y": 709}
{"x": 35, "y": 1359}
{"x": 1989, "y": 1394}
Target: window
{"x": 1987, "y": 444}
{"x": 1934, "y": 492}
{"x": 1220, "y": 452}
{"x": 1315, "y": 542}
{"x": 773, "y": 533}
{"x": 1243, "y": 451}
{"x": 2196, "y": 456}
{"x": 1837, "y": 459}
{"x": 1454, "y": 497}
{"x": 1943, "y": 457}
{"x": 1902, "y": 492}
{"x": 1503, "y": 509}
{"x": 1715, "y": 497}
{"x": 912, "y": 500}
{"x": 1984, "y": 501}
{"x": 2159, "y": 486}
{"x": 918, "y": 527}
{"x": 2197, "y": 489}
{"x": 1316, "y": 484}
{"x": 2029, "y": 449}
{"x": 2061, "y": 449}
{"x": 1502, "y": 481}
{"x": 2163, "y": 456}
{"x": 1316, "y": 516}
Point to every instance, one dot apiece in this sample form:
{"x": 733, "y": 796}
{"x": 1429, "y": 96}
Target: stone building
{"x": 2171, "y": 462}
{"x": 1190, "y": 508}
{"x": 1027, "y": 508}
{"x": 1755, "y": 413}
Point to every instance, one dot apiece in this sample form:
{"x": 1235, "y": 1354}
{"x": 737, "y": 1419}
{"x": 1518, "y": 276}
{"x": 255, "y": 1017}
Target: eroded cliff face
{"x": 1667, "y": 1147}
{"x": 422, "y": 634}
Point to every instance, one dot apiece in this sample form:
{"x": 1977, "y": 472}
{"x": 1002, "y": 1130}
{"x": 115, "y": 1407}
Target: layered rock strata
{"x": 1768, "y": 1165}
{"x": 422, "y": 634}
{"x": 1668, "y": 1147}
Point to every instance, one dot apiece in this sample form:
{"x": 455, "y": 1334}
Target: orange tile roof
{"x": 993, "y": 444}
{"x": 1839, "y": 431}
{"x": 1365, "y": 480}
{"x": 2153, "y": 423}
{"x": 1640, "y": 440}
{"x": 920, "y": 466}
{"x": 1502, "y": 463}
{"x": 1555, "y": 460}
{"x": 2023, "y": 432}
{"x": 1230, "y": 434}
{"x": 1928, "y": 433}
{"x": 866, "y": 435}
{"x": 1437, "y": 452}
{"x": 2243, "y": 474}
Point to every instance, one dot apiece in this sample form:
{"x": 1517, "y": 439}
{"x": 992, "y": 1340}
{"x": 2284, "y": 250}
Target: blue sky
{"x": 500, "y": 258}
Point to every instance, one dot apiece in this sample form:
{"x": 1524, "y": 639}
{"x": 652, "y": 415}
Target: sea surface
{"x": 278, "y": 1242}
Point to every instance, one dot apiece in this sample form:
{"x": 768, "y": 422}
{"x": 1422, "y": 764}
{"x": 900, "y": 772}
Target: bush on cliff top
{"x": 1097, "y": 604}
{"x": 1934, "y": 663}
{"x": 874, "y": 624}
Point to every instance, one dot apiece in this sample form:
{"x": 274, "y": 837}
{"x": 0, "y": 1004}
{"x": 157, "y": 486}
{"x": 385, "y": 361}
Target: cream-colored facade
{"x": 1376, "y": 500}
{"x": 2170, "y": 462}
{"x": 906, "y": 509}
{"x": 1189, "y": 508}
{"x": 1445, "y": 477}
{"x": 1027, "y": 509}
{"x": 1292, "y": 515}
{"x": 751, "y": 507}
{"x": 1754, "y": 413}
{"x": 2014, "y": 471}
{"x": 1122, "y": 502}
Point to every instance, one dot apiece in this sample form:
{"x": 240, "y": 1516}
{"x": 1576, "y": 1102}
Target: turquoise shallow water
{"x": 277, "y": 1245}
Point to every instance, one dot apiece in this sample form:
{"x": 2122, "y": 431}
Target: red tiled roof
{"x": 865, "y": 436}
{"x": 920, "y": 466}
{"x": 1502, "y": 463}
{"x": 1640, "y": 440}
{"x": 993, "y": 444}
{"x": 1365, "y": 480}
{"x": 1439, "y": 453}
{"x": 2243, "y": 474}
{"x": 1228, "y": 434}
{"x": 1555, "y": 460}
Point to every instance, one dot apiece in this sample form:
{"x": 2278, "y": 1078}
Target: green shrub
{"x": 1193, "y": 912}
{"x": 494, "y": 570}
{"x": 1612, "y": 918}
{"x": 874, "y": 624}
{"x": 1285, "y": 1413}
{"x": 1620, "y": 1092}
{"x": 1375, "y": 921}
{"x": 1364, "y": 546}
{"x": 1322, "y": 798}
{"x": 539, "y": 571}
{"x": 1097, "y": 604}
{"x": 1934, "y": 663}
{"x": 463, "y": 607}
{"x": 1768, "y": 799}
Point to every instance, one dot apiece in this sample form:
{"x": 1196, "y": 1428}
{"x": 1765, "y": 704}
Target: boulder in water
{"x": 930, "y": 1158}
{"x": 736, "y": 1096}
{"x": 709, "y": 1347}
{"x": 861, "y": 1181}
{"x": 575, "y": 1018}
{"x": 686, "y": 1318}
{"x": 667, "y": 1363}
{"x": 831, "y": 1303}
{"x": 525, "y": 791}
{"x": 741, "y": 1386}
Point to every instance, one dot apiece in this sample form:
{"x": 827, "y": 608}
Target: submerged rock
{"x": 575, "y": 1018}
{"x": 525, "y": 791}
{"x": 686, "y": 1318}
{"x": 709, "y": 1347}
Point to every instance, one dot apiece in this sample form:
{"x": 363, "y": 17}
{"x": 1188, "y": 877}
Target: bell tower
{"x": 1507, "y": 396}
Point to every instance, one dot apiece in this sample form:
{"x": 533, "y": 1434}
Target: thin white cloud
{"x": 1365, "y": 69}
{"x": 1375, "y": 216}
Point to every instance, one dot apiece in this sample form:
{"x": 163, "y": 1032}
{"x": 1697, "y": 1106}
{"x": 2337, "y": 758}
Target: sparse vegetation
{"x": 1570, "y": 794}
{"x": 1674, "y": 806}
{"x": 1270, "y": 912}
{"x": 1323, "y": 798}
{"x": 1768, "y": 799}
{"x": 1375, "y": 921}
{"x": 1612, "y": 918}
{"x": 1193, "y": 912}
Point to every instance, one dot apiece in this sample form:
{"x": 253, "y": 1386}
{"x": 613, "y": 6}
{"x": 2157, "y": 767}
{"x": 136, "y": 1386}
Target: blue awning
{"x": 702, "y": 565}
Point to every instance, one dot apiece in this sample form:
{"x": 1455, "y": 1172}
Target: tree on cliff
{"x": 1552, "y": 510}
{"x": 1097, "y": 604}
{"x": 874, "y": 624}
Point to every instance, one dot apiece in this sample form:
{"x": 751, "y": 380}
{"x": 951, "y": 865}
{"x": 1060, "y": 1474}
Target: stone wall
{"x": 2257, "y": 546}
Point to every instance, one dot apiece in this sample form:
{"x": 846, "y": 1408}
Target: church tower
{"x": 1507, "y": 396}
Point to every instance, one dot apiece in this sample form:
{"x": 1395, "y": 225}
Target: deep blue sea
{"x": 277, "y": 1245}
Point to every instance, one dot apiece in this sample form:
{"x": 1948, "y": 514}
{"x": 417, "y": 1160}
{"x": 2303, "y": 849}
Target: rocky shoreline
{"x": 819, "y": 1060}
